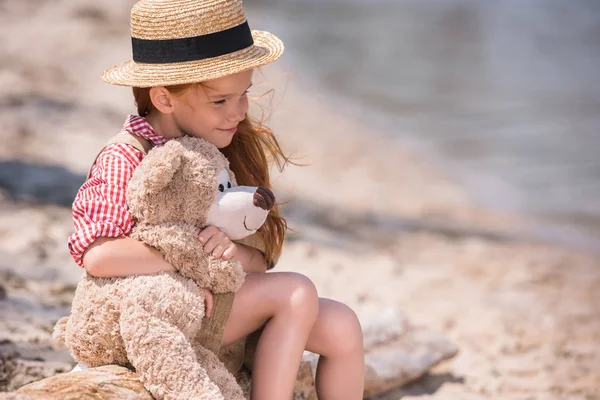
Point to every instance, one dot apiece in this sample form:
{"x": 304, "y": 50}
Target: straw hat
{"x": 185, "y": 41}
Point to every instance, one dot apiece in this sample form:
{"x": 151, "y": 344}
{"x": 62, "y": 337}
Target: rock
{"x": 107, "y": 382}
{"x": 14, "y": 396}
{"x": 395, "y": 353}
{"x": 305, "y": 389}
{"x": 115, "y": 382}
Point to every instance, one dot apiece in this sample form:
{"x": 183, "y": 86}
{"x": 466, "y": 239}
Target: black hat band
{"x": 193, "y": 48}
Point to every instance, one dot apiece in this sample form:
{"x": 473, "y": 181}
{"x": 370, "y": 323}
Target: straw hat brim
{"x": 266, "y": 49}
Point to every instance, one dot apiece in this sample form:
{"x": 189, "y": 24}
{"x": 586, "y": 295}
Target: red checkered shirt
{"x": 100, "y": 208}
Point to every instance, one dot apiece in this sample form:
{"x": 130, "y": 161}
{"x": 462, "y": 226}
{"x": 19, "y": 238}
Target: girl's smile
{"x": 229, "y": 131}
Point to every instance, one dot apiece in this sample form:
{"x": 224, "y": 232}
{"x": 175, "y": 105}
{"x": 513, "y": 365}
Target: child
{"x": 192, "y": 65}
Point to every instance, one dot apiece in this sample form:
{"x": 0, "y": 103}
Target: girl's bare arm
{"x": 252, "y": 260}
{"x": 122, "y": 256}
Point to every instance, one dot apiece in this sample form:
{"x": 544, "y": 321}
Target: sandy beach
{"x": 374, "y": 225}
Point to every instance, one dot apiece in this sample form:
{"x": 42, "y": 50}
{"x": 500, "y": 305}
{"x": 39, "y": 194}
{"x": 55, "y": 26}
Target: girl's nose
{"x": 235, "y": 117}
{"x": 264, "y": 198}
{"x": 238, "y": 113}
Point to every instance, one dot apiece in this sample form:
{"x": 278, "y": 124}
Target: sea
{"x": 502, "y": 94}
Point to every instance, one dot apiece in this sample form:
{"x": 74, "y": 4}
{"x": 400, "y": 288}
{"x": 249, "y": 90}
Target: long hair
{"x": 248, "y": 153}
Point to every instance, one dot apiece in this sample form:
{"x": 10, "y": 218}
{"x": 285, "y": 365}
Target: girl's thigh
{"x": 261, "y": 296}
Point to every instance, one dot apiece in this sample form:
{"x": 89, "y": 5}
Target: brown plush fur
{"x": 151, "y": 322}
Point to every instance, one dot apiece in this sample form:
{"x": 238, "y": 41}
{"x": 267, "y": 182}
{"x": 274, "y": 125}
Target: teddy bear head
{"x": 188, "y": 180}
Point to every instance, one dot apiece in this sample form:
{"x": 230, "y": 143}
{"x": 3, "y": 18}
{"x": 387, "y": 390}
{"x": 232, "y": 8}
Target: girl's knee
{"x": 345, "y": 331}
{"x": 300, "y": 295}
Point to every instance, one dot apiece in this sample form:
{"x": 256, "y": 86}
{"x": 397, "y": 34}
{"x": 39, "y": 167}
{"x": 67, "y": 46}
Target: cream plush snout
{"x": 239, "y": 210}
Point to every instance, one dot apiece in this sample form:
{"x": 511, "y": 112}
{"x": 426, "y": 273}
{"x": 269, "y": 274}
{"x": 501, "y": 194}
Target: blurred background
{"x": 452, "y": 173}
{"x": 502, "y": 94}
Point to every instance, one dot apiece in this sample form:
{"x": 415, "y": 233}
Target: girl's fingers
{"x": 228, "y": 253}
{"x": 218, "y": 251}
{"x": 211, "y": 244}
{"x": 214, "y": 241}
{"x": 207, "y": 233}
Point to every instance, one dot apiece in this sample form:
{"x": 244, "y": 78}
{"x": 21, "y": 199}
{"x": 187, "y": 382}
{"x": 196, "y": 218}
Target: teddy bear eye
{"x": 228, "y": 185}
{"x": 221, "y": 188}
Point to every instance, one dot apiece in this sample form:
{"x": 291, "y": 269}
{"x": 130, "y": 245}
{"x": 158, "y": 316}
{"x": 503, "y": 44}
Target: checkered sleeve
{"x": 100, "y": 208}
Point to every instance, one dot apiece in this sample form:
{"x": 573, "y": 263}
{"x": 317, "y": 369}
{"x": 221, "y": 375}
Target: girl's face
{"x": 213, "y": 110}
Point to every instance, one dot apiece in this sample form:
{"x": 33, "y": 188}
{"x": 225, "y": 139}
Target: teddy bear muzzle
{"x": 264, "y": 198}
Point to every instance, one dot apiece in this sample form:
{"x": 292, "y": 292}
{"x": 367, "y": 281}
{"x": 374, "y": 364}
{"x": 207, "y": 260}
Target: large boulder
{"x": 107, "y": 382}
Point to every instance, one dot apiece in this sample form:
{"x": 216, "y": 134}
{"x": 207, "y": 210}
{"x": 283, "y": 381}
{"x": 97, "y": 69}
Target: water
{"x": 506, "y": 94}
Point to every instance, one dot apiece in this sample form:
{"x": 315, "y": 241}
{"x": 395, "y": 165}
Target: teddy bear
{"x": 151, "y": 322}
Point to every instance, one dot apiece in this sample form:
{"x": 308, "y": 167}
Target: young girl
{"x": 192, "y": 66}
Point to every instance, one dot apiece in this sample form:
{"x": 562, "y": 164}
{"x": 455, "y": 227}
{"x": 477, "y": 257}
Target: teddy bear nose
{"x": 264, "y": 198}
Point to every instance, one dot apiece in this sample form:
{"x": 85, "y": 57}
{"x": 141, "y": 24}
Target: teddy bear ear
{"x": 159, "y": 166}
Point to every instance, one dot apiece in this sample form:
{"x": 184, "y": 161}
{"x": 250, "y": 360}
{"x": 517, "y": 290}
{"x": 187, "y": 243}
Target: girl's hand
{"x": 217, "y": 243}
{"x": 208, "y": 303}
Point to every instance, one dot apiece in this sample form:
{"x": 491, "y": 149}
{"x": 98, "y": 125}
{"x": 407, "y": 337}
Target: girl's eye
{"x": 221, "y": 102}
{"x": 228, "y": 185}
{"x": 221, "y": 188}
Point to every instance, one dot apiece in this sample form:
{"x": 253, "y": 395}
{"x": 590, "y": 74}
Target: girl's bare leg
{"x": 287, "y": 305}
{"x": 337, "y": 337}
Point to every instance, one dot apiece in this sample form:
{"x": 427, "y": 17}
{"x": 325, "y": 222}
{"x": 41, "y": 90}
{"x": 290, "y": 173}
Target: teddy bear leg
{"x": 219, "y": 374}
{"x": 164, "y": 358}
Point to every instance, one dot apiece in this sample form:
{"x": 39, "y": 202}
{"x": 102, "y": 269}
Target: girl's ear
{"x": 161, "y": 99}
{"x": 158, "y": 168}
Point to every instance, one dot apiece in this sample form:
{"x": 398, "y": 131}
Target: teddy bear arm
{"x": 218, "y": 373}
{"x": 181, "y": 248}
{"x": 226, "y": 276}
